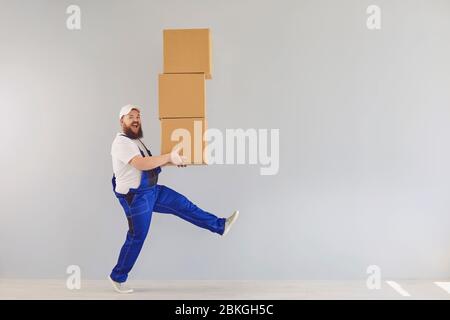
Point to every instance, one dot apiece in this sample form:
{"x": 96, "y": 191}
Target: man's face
{"x": 131, "y": 124}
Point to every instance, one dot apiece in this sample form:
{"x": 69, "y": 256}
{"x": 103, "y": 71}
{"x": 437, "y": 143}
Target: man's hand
{"x": 175, "y": 157}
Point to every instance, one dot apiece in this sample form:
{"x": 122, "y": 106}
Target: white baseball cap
{"x": 126, "y": 110}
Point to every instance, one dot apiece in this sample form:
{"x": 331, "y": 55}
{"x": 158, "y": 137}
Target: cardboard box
{"x": 189, "y": 133}
{"x": 182, "y": 95}
{"x": 187, "y": 51}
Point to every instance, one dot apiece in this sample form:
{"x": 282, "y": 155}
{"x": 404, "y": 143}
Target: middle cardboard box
{"x": 182, "y": 95}
{"x": 189, "y": 134}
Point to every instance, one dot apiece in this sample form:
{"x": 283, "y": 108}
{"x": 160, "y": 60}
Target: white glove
{"x": 175, "y": 157}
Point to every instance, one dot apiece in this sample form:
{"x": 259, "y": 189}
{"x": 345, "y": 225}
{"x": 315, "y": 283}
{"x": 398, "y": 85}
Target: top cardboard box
{"x": 187, "y": 51}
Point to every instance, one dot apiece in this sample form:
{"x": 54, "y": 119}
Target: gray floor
{"x": 219, "y": 290}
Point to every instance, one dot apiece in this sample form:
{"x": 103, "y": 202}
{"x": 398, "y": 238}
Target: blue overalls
{"x": 139, "y": 204}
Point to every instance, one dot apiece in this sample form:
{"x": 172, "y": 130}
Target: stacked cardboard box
{"x": 187, "y": 64}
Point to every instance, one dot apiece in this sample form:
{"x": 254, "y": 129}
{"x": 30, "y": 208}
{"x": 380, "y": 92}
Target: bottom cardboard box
{"x": 189, "y": 134}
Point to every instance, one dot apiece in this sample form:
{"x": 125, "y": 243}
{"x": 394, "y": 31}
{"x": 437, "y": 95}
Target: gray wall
{"x": 364, "y": 126}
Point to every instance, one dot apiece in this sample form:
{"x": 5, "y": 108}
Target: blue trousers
{"x": 138, "y": 210}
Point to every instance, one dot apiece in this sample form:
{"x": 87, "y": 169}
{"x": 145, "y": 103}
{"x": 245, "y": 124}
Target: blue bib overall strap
{"x": 153, "y": 173}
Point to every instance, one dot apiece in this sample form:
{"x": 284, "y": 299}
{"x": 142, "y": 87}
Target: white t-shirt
{"x": 123, "y": 149}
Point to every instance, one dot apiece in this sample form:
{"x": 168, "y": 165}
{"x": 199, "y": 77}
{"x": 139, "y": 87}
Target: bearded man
{"x": 135, "y": 184}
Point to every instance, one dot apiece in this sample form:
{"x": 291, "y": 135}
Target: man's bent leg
{"x": 170, "y": 201}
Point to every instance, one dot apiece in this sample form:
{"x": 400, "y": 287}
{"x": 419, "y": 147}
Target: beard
{"x": 130, "y": 133}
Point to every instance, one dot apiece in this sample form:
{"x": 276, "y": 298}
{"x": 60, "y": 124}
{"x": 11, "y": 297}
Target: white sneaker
{"x": 229, "y": 221}
{"x": 120, "y": 287}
